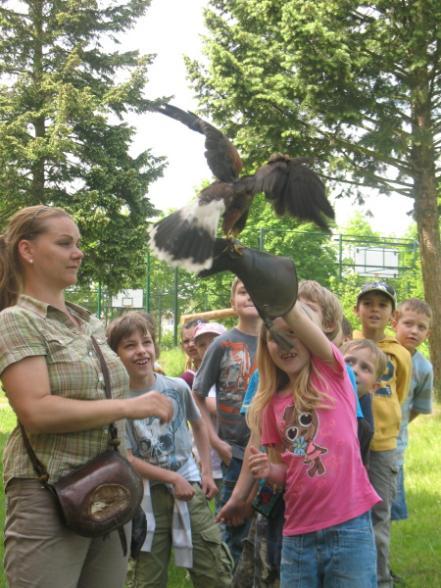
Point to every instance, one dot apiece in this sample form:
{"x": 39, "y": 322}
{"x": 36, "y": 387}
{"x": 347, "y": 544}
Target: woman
{"x": 53, "y": 381}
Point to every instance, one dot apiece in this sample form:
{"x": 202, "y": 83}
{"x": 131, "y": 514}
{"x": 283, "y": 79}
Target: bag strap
{"x": 113, "y": 431}
{"x": 39, "y": 467}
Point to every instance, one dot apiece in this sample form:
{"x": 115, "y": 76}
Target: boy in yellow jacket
{"x": 375, "y": 307}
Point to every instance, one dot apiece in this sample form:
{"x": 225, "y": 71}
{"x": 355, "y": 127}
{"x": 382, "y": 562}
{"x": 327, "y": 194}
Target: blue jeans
{"x": 233, "y": 536}
{"x": 399, "y": 505}
{"x": 342, "y": 556}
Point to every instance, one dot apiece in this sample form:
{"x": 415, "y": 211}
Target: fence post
{"x": 159, "y": 323}
{"x": 176, "y": 309}
{"x": 98, "y": 302}
{"x": 261, "y": 238}
{"x": 340, "y": 257}
{"x": 147, "y": 284}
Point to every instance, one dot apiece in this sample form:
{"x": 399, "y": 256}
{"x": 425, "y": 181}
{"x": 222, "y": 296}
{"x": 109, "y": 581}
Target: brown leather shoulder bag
{"x": 103, "y": 494}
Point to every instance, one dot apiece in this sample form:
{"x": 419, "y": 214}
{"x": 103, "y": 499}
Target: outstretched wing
{"x": 186, "y": 237}
{"x": 222, "y": 156}
{"x": 294, "y": 189}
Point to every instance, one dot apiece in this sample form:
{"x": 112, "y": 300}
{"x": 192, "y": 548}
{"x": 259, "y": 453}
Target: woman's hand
{"x": 150, "y": 404}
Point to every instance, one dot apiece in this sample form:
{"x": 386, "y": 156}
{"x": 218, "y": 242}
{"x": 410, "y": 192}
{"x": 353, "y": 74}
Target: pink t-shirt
{"x": 326, "y": 482}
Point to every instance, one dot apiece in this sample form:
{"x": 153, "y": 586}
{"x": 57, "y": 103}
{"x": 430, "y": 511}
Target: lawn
{"x": 416, "y": 543}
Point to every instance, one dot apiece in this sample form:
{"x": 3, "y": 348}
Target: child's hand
{"x": 183, "y": 489}
{"x": 209, "y": 487}
{"x": 259, "y": 463}
{"x": 234, "y": 512}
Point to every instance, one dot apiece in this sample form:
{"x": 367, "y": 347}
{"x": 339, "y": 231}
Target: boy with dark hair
{"x": 412, "y": 326}
{"x": 228, "y": 365}
{"x": 375, "y": 306}
{"x": 175, "y": 499}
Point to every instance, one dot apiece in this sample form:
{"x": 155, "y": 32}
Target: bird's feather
{"x": 186, "y": 237}
{"x": 294, "y": 190}
{"x": 222, "y": 156}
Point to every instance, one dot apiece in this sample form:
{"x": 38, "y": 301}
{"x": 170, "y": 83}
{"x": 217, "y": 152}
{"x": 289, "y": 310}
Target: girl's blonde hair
{"x": 28, "y": 223}
{"x": 272, "y": 379}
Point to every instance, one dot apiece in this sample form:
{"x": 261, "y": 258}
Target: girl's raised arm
{"x": 309, "y": 333}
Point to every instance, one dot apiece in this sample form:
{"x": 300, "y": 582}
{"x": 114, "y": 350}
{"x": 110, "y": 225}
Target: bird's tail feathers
{"x": 186, "y": 237}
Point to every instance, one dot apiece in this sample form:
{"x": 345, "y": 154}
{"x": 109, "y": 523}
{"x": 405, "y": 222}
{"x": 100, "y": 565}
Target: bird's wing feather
{"x": 222, "y": 156}
{"x": 186, "y": 237}
{"x": 294, "y": 190}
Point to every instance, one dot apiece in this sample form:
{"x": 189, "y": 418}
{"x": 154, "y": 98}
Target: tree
{"x": 359, "y": 226}
{"x": 354, "y": 84}
{"x": 65, "y": 87}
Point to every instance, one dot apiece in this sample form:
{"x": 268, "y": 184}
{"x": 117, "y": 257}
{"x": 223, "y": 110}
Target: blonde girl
{"x": 304, "y": 413}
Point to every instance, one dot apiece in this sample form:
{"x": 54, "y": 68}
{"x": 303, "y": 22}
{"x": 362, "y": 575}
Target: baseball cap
{"x": 379, "y": 287}
{"x": 212, "y": 328}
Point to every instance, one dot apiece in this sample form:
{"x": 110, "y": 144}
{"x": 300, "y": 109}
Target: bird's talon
{"x": 235, "y": 246}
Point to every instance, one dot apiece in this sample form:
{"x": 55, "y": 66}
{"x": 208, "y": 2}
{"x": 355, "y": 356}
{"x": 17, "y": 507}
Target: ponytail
{"x": 9, "y": 282}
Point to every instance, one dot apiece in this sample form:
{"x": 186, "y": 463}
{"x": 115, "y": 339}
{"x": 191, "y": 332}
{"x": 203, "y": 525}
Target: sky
{"x": 172, "y": 29}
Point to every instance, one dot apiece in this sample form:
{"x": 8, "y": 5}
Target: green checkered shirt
{"x": 32, "y": 328}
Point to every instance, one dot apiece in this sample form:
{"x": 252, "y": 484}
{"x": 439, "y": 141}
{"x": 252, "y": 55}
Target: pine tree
{"x": 65, "y": 88}
{"x": 355, "y": 85}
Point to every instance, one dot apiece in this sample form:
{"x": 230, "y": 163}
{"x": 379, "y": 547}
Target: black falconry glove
{"x": 270, "y": 280}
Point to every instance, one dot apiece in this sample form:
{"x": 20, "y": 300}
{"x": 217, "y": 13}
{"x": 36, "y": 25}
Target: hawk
{"x": 186, "y": 238}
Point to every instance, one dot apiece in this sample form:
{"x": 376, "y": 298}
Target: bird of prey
{"x": 186, "y": 237}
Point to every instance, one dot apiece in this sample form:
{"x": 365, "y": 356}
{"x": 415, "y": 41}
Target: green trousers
{"x": 212, "y": 562}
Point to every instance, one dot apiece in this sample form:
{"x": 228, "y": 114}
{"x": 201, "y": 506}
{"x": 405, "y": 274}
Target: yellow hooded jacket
{"x": 390, "y": 393}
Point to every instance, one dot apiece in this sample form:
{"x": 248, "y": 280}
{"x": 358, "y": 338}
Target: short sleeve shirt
{"x": 419, "y": 398}
{"x": 228, "y": 364}
{"x": 167, "y": 445}
{"x": 326, "y": 482}
{"x": 32, "y": 328}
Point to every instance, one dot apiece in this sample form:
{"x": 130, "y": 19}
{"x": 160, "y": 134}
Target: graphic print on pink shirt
{"x": 300, "y": 429}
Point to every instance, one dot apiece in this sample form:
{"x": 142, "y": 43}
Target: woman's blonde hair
{"x": 272, "y": 379}
{"x": 28, "y": 223}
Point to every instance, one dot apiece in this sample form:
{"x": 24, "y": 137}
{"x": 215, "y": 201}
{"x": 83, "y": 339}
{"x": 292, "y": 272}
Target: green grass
{"x": 172, "y": 361}
{"x": 416, "y": 543}
{"x": 7, "y": 423}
